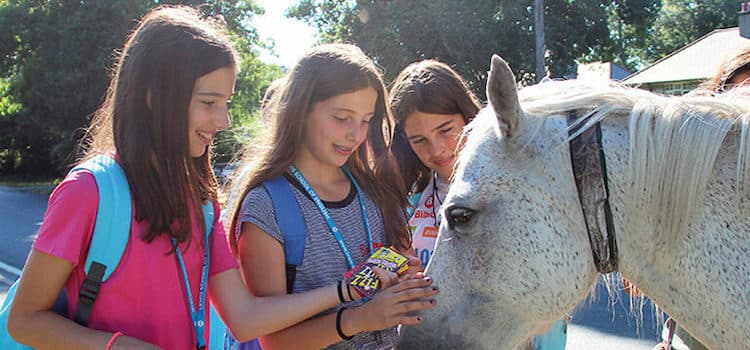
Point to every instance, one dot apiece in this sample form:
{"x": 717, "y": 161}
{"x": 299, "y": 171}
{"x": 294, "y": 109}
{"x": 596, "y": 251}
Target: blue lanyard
{"x": 198, "y": 316}
{"x": 327, "y": 216}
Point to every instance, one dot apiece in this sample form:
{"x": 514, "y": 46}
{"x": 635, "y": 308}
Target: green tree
{"x": 463, "y": 33}
{"x": 466, "y": 33}
{"x": 55, "y": 58}
{"x": 682, "y": 21}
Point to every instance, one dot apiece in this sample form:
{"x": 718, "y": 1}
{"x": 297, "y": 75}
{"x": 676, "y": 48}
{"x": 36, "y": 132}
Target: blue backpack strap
{"x": 292, "y": 227}
{"x": 413, "y": 201}
{"x": 291, "y": 224}
{"x": 6, "y": 341}
{"x": 111, "y": 229}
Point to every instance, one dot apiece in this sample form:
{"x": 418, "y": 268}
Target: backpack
{"x": 293, "y": 230}
{"x": 108, "y": 242}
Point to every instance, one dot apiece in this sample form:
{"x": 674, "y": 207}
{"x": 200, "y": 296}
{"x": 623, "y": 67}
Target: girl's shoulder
{"x": 69, "y": 219}
{"x": 257, "y": 196}
{"x": 76, "y": 185}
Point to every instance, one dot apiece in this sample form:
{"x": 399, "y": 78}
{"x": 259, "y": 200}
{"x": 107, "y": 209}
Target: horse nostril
{"x": 458, "y": 216}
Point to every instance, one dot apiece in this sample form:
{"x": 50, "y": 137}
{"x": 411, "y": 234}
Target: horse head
{"x": 523, "y": 236}
{"x": 512, "y": 254}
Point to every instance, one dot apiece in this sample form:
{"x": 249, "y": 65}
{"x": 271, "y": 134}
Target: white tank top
{"x": 425, "y": 221}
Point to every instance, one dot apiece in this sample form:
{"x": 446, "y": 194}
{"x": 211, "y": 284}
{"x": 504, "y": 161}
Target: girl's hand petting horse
{"x": 391, "y": 306}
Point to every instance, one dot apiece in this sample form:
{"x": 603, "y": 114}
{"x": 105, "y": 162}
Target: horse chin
{"x": 470, "y": 323}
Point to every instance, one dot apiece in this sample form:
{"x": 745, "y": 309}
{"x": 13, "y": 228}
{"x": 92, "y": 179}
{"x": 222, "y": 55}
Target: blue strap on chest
{"x": 291, "y": 224}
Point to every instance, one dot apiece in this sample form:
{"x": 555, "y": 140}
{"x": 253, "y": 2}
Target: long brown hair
{"x": 144, "y": 117}
{"x": 427, "y": 86}
{"x": 324, "y": 72}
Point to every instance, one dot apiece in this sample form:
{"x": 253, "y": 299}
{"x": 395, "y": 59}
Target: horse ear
{"x": 503, "y": 95}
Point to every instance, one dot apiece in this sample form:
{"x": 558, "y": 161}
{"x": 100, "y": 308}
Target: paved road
{"x": 21, "y": 212}
{"x": 597, "y": 322}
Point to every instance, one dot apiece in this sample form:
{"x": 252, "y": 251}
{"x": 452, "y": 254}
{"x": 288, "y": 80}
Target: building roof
{"x": 698, "y": 60}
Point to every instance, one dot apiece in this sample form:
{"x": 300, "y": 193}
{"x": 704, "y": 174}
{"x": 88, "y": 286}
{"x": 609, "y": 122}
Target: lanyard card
{"x": 363, "y": 278}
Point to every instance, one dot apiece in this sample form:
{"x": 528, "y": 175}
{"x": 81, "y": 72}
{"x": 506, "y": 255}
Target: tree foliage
{"x": 683, "y": 21}
{"x": 55, "y": 63}
{"x": 465, "y": 33}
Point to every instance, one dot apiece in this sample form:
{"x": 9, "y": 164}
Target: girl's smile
{"x": 208, "y": 108}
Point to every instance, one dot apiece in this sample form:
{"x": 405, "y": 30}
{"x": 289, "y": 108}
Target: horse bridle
{"x": 590, "y": 172}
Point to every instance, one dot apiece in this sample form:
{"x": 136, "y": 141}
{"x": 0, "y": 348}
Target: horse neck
{"x": 676, "y": 271}
{"x": 615, "y": 144}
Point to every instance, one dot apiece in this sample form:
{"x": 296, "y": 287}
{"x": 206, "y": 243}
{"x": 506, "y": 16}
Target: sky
{"x": 291, "y": 37}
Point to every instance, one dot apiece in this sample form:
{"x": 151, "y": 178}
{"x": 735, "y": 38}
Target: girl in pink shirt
{"x": 167, "y": 100}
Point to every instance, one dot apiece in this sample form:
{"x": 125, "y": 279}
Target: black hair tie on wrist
{"x": 341, "y": 294}
{"x": 338, "y": 325}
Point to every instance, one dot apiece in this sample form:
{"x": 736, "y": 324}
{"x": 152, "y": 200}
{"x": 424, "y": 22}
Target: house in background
{"x": 684, "y": 69}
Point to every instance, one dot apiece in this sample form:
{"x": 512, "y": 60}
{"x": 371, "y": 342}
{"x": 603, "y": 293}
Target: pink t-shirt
{"x": 144, "y": 297}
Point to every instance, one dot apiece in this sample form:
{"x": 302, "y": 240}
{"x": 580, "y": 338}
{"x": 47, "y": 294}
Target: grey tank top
{"x": 323, "y": 262}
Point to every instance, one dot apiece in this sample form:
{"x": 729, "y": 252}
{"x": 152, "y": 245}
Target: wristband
{"x": 112, "y": 340}
{"x": 341, "y": 294}
{"x": 338, "y": 325}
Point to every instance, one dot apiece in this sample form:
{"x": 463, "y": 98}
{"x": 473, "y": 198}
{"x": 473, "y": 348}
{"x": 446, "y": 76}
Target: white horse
{"x": 664, "y": 200}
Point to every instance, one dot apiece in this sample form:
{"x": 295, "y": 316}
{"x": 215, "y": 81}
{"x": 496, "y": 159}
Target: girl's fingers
{"x": 410, "y": 284}
{"x": 409, "y": 320}
{"x": 408, "y": 276}
{"x": 414, "y": 262}
{"x": 415, "y": 268}
{"x": 415, "y": 294}
{"x": 386, "y": 277}
{"x": 412, "y": 306}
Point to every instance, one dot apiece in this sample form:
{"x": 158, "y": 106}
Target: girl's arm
{"x": 248, "y": 317}
{"x": 31, "y": 321}
{"x": 263, "y": 267}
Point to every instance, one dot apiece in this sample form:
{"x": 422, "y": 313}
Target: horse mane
{"x": 674, "y": 143}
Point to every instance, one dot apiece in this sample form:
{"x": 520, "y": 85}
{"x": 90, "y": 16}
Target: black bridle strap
{"x": 590, "y": 172}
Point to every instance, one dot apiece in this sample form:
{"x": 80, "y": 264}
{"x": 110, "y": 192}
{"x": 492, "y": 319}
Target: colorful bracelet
{"x": 112, "y": 340}
{"x": 338, "y": 325}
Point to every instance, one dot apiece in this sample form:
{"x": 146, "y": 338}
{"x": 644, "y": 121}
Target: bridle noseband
{"x": 590, "y": 172}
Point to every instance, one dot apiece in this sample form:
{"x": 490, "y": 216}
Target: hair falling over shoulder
{"x": 144, "y": 116}
{"x": 325, "y": 71}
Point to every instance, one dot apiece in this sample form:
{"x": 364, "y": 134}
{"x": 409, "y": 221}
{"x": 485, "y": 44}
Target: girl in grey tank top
{"x": 328, "y": 112}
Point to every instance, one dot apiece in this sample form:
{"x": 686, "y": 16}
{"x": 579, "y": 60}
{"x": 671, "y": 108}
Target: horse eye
{"x": 458, "y": 216}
